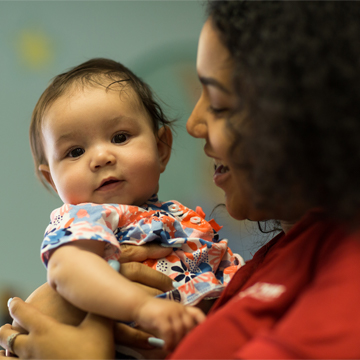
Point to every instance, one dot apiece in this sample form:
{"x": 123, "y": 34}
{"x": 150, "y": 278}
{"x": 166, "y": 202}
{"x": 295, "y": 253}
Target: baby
{"x": 100, "y": 141}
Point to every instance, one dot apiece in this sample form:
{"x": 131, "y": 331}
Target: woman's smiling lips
{"x": 221, "y": 171}
{"x": 221, "y": 174}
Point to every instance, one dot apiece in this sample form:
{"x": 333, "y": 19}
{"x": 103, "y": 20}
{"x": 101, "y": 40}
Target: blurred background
{"x": 40, "y": 39}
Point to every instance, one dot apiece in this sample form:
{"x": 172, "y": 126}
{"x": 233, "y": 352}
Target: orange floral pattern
{"x": 200, "y": 263}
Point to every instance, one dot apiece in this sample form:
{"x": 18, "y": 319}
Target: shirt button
{"x": 195, "y": 220}
{"x": 173, "y": 207}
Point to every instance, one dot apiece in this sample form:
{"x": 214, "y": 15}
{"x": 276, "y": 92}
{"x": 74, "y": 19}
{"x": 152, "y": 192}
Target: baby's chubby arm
{"x": 78, "y": 273}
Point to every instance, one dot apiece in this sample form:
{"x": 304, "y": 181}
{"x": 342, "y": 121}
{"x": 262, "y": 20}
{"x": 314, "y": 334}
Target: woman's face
{"x": 209, "y": 121}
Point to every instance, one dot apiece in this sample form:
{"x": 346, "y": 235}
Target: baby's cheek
{"x": 73, "y": 189}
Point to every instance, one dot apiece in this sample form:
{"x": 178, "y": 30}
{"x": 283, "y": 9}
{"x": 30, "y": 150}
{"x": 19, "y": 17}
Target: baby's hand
{"x": 168, "y": 320}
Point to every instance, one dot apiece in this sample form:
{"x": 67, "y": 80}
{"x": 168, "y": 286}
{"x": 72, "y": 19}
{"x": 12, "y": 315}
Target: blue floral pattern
{"x": 198, "y": 255}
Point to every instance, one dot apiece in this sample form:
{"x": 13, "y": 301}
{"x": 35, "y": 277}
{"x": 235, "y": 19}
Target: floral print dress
{"x": 201, "y": 263}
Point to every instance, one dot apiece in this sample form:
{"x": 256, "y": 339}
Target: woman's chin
{"x": 244, "y": 211}
{"x": 236, "y": 211}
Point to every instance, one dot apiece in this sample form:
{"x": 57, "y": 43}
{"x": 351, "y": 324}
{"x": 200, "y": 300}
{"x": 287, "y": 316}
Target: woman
{"x": 280, "y": 115}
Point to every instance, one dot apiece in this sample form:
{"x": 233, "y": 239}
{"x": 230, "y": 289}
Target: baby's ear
{"x": 45, "y": 171}
{"x": 164, "y": 144}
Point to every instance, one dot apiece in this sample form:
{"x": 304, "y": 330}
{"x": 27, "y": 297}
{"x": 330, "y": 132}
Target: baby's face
{"x": 101, "y": 148}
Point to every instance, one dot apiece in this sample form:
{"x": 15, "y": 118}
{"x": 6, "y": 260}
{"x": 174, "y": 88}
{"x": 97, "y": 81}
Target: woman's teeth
{"x": 221, "y": 169}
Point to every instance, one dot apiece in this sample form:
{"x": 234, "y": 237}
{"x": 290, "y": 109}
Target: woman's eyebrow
{"x": 213, "y": 82}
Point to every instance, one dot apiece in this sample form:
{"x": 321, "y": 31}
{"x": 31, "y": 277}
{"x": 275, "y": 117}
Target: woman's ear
{"x": 45, "y": 171}
{"x": 164, "y": 144}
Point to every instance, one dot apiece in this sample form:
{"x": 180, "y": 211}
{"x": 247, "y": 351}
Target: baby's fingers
{"x": 196, "y": 314}
{"x": 181, "y": 325}
{"x": 189, "y": 318}
{"x": 169, "y": 331}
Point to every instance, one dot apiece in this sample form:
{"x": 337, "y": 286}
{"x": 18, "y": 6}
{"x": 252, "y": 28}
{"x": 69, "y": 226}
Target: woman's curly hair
{"x": 298, "y": 81}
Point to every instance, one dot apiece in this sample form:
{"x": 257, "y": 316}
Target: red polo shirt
{"x": 299, "y": 297}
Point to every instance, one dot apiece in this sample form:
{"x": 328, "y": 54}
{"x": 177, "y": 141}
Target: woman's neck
{"x": 287, "y": 225}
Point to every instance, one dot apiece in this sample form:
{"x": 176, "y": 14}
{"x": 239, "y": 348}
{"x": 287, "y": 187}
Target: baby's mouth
{"x": 107, "y": 182}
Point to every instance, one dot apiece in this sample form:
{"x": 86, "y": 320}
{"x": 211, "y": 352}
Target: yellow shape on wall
{"x": 34, "y": 47}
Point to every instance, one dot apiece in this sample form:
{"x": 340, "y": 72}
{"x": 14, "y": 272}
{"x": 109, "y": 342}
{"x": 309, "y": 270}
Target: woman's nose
{"x": 196, "y": 125}
{"x": 102, "y": 157}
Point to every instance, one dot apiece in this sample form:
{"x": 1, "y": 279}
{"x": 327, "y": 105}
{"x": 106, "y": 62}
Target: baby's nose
{"x": 102, "y": 158}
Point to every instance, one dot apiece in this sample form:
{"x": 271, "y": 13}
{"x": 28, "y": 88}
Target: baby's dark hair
{"x": 91, "y": 73}
{"x": 297, "y": 76}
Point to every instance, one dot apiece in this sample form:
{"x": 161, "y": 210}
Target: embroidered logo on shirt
{"x": 263, "y": 291}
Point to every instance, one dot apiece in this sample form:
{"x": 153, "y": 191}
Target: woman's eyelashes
{"x": 217, "y": 111}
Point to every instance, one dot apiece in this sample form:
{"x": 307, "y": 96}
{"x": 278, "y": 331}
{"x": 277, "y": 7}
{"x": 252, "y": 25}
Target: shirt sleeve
{"x": 86, "y": 221}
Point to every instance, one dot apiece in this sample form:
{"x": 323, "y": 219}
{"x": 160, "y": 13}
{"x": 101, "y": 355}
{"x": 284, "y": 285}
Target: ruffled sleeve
{"x": 86, "y": 221}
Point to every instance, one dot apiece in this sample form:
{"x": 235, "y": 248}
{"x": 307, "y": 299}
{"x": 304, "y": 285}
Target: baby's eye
{"x": 119, "y": 138}
{"x": 74, "y": 153}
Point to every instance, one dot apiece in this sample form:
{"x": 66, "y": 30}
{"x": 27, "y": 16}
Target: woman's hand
{"x": 49, "y": 339}
{"x": 137, "y": 340}
{"x": 137, "y": 253}
{"x": 151, "y": 280}
{"x": 50, "y": 303}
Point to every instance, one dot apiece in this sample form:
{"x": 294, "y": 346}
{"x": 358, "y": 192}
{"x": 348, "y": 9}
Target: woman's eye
{"x": 119, "y": 138}
{"x": 217, "y": 111}
{"x": 74, "y": 153}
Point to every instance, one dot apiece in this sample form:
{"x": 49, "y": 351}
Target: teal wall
{"x": 39, "y": 39}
